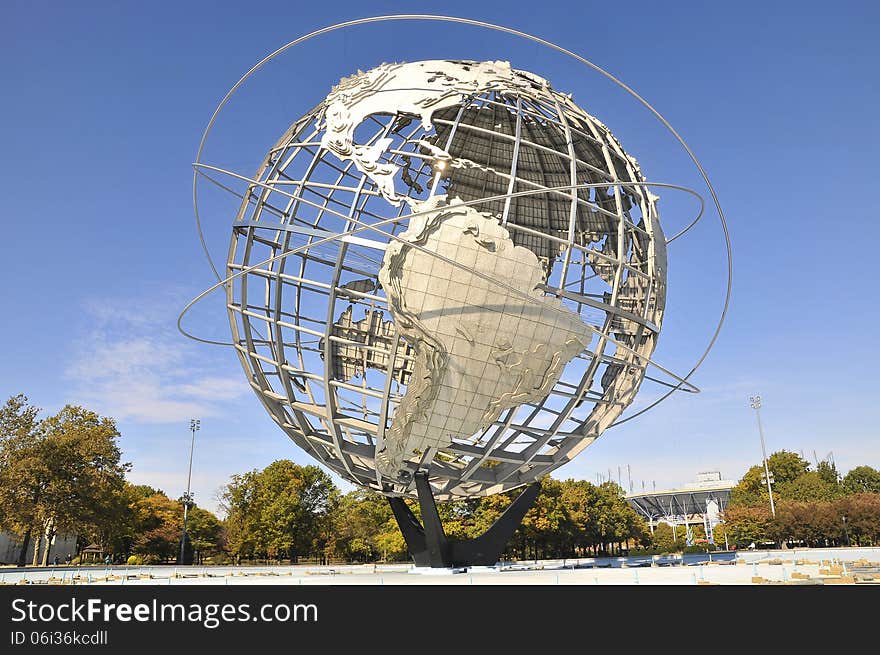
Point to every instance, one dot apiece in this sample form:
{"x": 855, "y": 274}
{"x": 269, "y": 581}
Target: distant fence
{"x": 720, "y": 557}
{"x": 812, "y": 554}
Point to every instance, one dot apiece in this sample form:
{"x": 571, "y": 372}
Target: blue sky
{"x": 103, "y": 105}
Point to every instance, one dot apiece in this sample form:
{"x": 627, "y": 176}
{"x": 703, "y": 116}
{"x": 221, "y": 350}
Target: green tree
{"x": 116, "y": 530}
{"x": 785, "y": 467}
{"x": 240, "y": 503}
{"x": 862, "y": 479}
{"x": 616, "y": 521}
{"x": 158, "y": 525}
{"x": 828, "y": 472}
{"x": 487, "y": 511}
{"x": 809, "y": 486}
{"x": 665, "y": 540}
{"x": 751, "y": 490}
{"x": 365, "y": 530}
{"x": 60, "y": 474}
{"x": 19, "y": 454}
{"x": 543, "y": 523}
{"x": 580, "y": 499}
{"x": 391, "y": 544}
{"x": 84, "y": 472}
{"x": 281, "y": 512}
{"x": 204, "y": 531}
{"x": 148, "y": 523}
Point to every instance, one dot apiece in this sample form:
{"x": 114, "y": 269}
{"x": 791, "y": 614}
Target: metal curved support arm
{"x": 430, "y": 547}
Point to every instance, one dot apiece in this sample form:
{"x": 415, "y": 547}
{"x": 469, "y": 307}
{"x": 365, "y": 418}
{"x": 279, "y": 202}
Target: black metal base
{"x": 429, "y": 545}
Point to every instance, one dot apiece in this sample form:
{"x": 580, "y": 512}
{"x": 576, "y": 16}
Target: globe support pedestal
{"x": 430, "y": 547}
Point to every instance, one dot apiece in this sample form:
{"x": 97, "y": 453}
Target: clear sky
{"x": 103, "y": 104}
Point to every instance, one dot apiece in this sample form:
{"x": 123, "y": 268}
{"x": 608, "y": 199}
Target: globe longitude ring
{"x": 446, "y": 266}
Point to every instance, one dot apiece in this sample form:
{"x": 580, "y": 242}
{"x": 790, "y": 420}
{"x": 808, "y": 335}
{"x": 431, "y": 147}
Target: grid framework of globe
{"x": 446, "y": 266}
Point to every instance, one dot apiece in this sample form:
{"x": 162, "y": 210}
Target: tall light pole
{"x": 194, "y": 425}
{"x": 755, "y": 403}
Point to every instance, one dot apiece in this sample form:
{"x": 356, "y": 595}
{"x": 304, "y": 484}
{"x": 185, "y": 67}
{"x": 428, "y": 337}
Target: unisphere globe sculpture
{"x": 446, "y": 266}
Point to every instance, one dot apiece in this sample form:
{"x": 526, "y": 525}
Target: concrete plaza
{"x": 791, "y": 567}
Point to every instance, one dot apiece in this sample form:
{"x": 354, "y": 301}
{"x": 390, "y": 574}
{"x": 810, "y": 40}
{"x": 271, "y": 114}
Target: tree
{"x": 862, "y": 479}
{"x": 295, "y": 502}
{"x": 747, "y": 524}
{"x": 391, "y": 544}
{"x": 146, "y": 522}
{"x": 616, "y": 521}
{"x": 809, "y": 486}
{"x": 862, "y": 512}
{"x": 785, "y": 467}
{"x": 580, "y": 499}
{"x": 571, "y": 516}
{"x": 365, "y": 529}
{"x": 281, "y": 512}
{"x": 81, "y": 458}
{"x": 158, "y": 524}
{"x": 204, "y": 532}
{"x": 665, "y": 540}
{"x": 544, "y": 521}
{"x": 19, "y": 491}
{"x": 828, "y": 472}
{"x": 239, "y": 502}
{"x": 809, "y": 523}
{"x": 58, "y": 474}
{"x": 751, "y": 490}
{"x": 120, "y": 528}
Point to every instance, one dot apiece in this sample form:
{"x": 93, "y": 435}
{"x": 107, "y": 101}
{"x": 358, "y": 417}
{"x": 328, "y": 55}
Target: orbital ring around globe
{"x": 491, "y": 350}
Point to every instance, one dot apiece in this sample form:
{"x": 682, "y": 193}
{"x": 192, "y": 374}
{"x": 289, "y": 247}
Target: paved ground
{"x": 810, "y": 567}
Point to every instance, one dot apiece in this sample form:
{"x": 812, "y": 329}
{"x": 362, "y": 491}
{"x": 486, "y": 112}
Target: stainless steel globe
{"x": 446, "y": 266}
